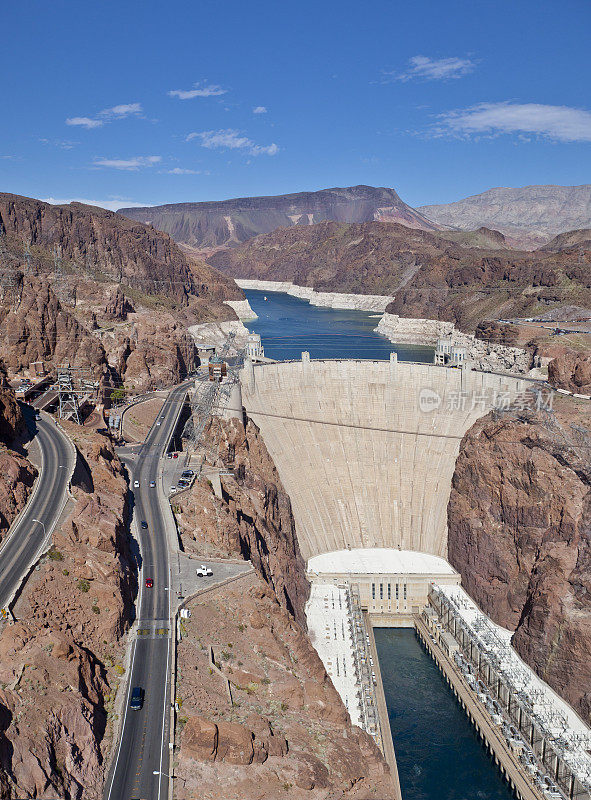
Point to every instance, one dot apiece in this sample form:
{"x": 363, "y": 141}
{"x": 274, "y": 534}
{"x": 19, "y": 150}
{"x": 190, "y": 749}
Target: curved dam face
{"x": 366, "y": 449}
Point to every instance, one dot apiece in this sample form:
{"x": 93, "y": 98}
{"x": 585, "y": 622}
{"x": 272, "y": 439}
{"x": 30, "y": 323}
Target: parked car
{"x": 183, "y": 483}
{"x": 173, "y": 488}
{"x": 187, "y": 473}
{"x": 175, "y": 455}
{"x": 137, "y": 698}
{"x": 203, "y": 571}
{"x": 149, "y": 583}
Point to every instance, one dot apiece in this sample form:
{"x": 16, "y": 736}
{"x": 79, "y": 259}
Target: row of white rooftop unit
{"x": 556, "y": 742}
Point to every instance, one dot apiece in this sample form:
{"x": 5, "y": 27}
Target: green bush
{"x": 55, "y": 555}
{"x": 96, "y": 609}
{"x": 83, "y": 585}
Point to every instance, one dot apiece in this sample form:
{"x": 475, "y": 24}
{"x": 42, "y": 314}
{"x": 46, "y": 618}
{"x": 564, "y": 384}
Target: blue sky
{"x": 143, "y": 103}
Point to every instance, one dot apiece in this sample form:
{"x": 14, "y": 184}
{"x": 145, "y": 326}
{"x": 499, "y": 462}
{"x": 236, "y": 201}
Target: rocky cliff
{"x": 106, "y": 247}
{"x": 230, "y": 222}
{"x": 17, "y": 474}
{"x": 529, "y": 216}
{"x": 253, "y": 519}
{"x": 429, "y": 275}
{"x": 60, "y": 662}
{"x": 519, "y": 520}
{"x": 126, "y": 297}
{"x": 571, "y": 371}
{"x": 286, "y": 733}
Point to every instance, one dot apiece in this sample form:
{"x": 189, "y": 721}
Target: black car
{"x": 137, "y": 698}
{"x": 144, "y": 524}
{"x": 187, "y": 473}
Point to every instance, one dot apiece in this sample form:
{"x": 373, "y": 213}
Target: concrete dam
{"x": 366, "y": 449}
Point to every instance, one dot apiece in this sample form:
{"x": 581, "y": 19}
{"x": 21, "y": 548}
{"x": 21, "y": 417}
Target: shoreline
{"x": 336, "y": 300}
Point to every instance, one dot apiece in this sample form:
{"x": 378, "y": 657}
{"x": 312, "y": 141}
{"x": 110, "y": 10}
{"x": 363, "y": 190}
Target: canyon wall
{"x": 60, "y": 661}
{"x": 519, "y": 522}
{"x": 252, "y": 520}
{"x": 429, "y": 274}
{"x": 17, "y": 474}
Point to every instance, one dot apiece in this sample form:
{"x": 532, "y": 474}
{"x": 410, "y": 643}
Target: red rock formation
{"x": 572, "y": 371}
{"x": 430, "y": 274}
{"x": 287, "y": 732}
{"x": 58, "y": 661}
{"x": 519, "y": 521}
{"x": 254, "y": 518}
{"x": 102, "y": 245}
{"x": 16, "y": 473}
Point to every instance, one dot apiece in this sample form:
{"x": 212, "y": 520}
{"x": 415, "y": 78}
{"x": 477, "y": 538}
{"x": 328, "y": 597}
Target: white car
{"x": 152, "y": 484}
{"x": 203, "y": 571}
{"x": 136, "y": 484}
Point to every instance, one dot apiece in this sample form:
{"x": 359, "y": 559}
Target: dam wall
{"x": 366, "y": 449}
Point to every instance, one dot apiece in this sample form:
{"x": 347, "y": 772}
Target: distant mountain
{"x": 428, "y": 273}
{"x": 571, "y": 239}
{"x": 231, "y": 222}
{"x": 529, "y": 216}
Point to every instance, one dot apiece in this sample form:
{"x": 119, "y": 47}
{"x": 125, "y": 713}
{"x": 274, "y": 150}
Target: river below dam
{"x": 438, "y": 753}
{"x": 288, "y": 325}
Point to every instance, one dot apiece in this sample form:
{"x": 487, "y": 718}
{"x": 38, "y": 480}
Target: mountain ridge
{"x": 529, "y": 216}
{"x": 228, "y": 223}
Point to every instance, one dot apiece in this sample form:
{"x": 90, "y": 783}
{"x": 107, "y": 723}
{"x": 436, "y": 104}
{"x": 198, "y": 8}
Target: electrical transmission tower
{"x": 73, "y": 383}
{"x": 212, "y": 399}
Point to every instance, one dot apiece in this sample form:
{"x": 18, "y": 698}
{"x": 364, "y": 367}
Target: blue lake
{"x": 288, "y": 325}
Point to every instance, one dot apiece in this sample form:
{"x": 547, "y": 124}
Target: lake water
{"x": 288, "y": 325}
{"x": 438, "y": 754}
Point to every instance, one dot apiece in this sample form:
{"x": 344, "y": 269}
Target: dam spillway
{"x": 366, "y": 449}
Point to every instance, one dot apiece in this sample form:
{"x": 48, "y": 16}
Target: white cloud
{"x": 433, "y": 69}
{"x": 134, "y": 163}
{"x": 229, "y": 139}
{"x": 181, "y": 171}
{"x": 120, "y": 111}
{"x": 106, "y": 115}
{"x": 207, "y": 90}
{"x": 85, "y": 122}
{"x": 110, "y": 205}
{"x": 559, "y": 123}
{"x": 259, "y": 110}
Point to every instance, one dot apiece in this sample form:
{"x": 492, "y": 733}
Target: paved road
{"x": 143, "y": 747}
{"x": 26, "y": 537}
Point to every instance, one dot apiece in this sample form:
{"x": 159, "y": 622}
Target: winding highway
{"x": 27, "y": 536}
{"x": 141, "y": 764}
